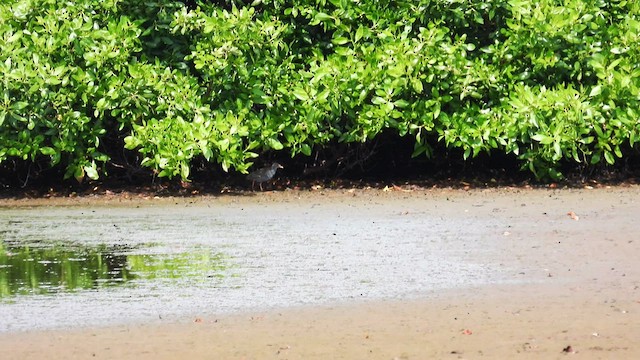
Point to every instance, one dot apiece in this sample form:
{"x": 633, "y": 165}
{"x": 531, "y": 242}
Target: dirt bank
{"x": 569, "y": 286}
{"x": 496, "y": 323}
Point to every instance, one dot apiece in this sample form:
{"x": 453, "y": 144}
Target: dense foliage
{"x": 224, "y": 81}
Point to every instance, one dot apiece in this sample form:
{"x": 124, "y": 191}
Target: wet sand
{"x": 497, "y": 323}
{"x": 574, "y": 290}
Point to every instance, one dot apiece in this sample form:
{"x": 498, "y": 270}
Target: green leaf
{"x": 340, "y": 41}
{"x": 306, "y": 149}
{"x": 617, "y": 151}
{"x": 18, "y": 106}
{"x": 598, "y": 130}
{"x": 131, "y": 142}
{"x": 378, "y": 100}
{"x": 100, "y": 105}
{"x": 557, "y": 150}
{"x": 258, "y": 95}
{"x": 543, "y": 139}
{"x": 396, "y": 71}
{"x": 275, "y": 144}
{"x": 555, "y": 174}
{"x": 613, "y": 64}
{"x": 78, "y": 174}
{"x": 401, "y": 103}
{"x": 608, "y": 156}
{"x": 205, "y": 149}
{"x": 595, "y": 91}
{"x": 223, "y": 144}
{"x": 301, "y": 94}
{"x": 359, "y": 33}
{"x": 419, "y": 149}
{"x": 46, "y": 150}
{"x": 322, "y": 17}
{"x": 466, "y": 154}
{"x": 587, "y": 140}
{"x": 91, "y": 171}
{"x": 416, "y": 84}
{"x": 184, "y": 171}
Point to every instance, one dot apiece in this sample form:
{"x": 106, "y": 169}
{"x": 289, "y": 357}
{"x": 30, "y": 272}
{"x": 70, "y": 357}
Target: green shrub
{"x": 551, "y": 83}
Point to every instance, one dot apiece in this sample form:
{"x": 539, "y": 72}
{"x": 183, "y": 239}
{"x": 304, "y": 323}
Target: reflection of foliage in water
{"x": 41, "y": 270}
{"x": 60, "y": 268}
{"x": 199, "y": 263}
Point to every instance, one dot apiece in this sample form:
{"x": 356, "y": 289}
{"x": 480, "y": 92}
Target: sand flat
{"x": 572, "y": 290}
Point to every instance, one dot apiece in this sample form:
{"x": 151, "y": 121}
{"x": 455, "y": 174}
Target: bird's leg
{"x": 261, "y": 187}
{"x": 253, "y": 184}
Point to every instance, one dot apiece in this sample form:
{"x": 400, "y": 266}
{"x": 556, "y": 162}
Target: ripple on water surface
{"x": 68, "y": 267}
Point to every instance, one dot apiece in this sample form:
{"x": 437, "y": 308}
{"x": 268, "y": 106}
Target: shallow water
{"x": 64, "y": 267}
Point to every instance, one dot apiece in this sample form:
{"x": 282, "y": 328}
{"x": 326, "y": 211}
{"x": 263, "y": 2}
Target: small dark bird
{"x": 263, "y": 174}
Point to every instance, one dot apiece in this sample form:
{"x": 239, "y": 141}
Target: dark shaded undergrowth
{"x": 344, "y": 167}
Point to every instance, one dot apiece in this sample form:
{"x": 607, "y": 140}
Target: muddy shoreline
{"x": 551, "y": 269}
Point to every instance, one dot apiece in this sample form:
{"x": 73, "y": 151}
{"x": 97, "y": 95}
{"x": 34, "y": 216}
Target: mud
{"x": 298, "y": 254}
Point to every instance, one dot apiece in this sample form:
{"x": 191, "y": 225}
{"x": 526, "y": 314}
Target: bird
{"x": 263, "y": 174}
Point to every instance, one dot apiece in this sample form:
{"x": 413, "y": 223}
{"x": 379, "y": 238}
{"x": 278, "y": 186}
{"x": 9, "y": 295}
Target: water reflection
{"x": 53, "y": 268}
